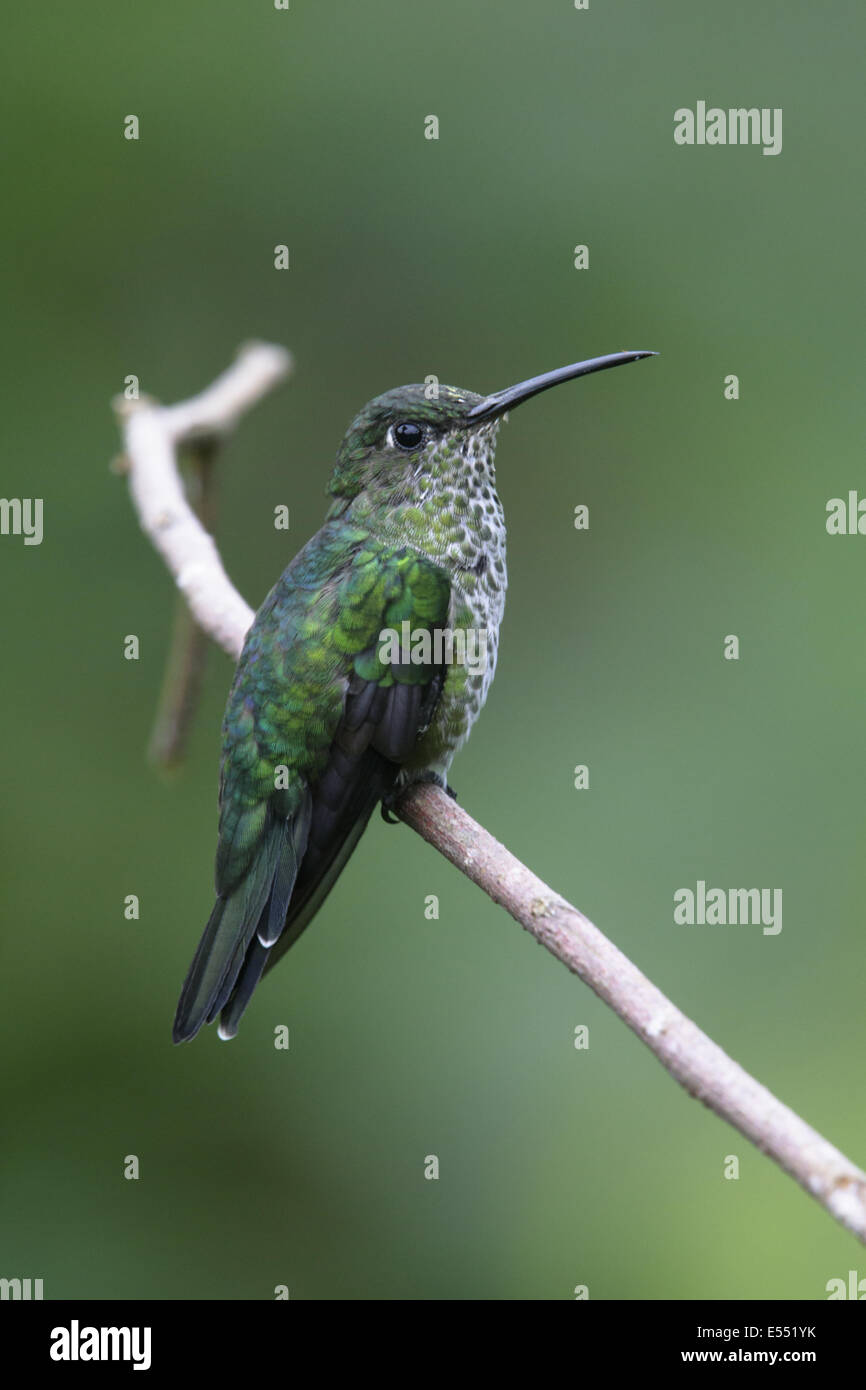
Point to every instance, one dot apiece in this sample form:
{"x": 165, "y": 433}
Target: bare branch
{"x": 183, "y": 681}
{"x": 690, "y": 1056}
{"x": 151, "y": 435}
{"x": 698, "y": 1064}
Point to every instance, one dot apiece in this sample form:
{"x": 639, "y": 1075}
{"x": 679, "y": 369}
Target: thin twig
{"x": 690, "y": 1056}
{"x": 151, "y": 436}
{"x": 188, "y": 648}
{"x": 153, "y": 432}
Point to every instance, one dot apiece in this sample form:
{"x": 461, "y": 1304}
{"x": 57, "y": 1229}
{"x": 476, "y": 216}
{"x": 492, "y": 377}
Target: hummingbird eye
{"x": 408, "y": 435}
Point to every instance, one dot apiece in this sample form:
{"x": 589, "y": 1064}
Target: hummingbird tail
{"x": 242, "y": 926}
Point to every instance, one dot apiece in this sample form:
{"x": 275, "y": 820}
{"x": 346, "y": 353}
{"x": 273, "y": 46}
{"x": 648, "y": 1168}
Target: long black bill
{"x": 500, "y": 401}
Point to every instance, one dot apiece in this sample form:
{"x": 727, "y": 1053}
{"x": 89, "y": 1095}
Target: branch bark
{"x": 152, "y": 435}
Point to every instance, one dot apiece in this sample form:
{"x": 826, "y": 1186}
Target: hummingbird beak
{"x": 500, "y": 401}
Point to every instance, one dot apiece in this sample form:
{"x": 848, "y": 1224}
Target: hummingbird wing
{"x": 320, "y": 719}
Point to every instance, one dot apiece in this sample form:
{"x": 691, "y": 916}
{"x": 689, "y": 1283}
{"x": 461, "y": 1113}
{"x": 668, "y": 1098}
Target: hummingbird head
{"x": 409, "y": 437}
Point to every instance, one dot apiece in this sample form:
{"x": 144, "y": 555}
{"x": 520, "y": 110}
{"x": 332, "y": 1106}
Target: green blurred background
{"x": 411, "y": 1037}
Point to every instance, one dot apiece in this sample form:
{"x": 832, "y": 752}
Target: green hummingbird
{"x": 329, "y": 713}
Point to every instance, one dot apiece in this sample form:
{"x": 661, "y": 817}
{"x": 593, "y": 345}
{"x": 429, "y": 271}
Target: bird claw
{"x": 390, "y": 801}
{"x": 437, "y": 781}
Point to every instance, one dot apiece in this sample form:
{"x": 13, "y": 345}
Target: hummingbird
{"x": 325, "y": 719}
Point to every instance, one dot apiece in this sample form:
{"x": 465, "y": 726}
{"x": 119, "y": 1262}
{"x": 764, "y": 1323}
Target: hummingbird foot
{"x": 390, "y": 801}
